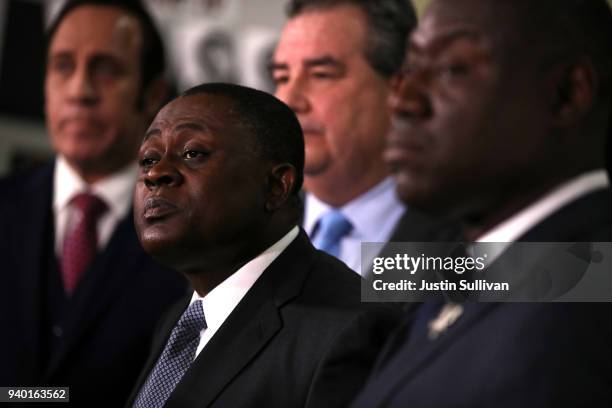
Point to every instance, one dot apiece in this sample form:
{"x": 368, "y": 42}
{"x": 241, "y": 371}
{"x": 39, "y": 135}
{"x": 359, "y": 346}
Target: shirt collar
{"x": 115, "y": 191}
{"x": 378, "y": 203}
{"x": 221, "y": 301}
{"x": 520, "y": 223}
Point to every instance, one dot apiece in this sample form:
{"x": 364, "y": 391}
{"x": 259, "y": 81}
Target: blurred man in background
{"x": 79, "y": 296}
{"x": 503, "y": 125}
{"x": 334, "y": 66}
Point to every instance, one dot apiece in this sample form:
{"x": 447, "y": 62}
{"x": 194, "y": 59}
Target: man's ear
{"x": 155, "y": 95}
{"x": 575, "y": 89}
{"x": 281, "y": 180}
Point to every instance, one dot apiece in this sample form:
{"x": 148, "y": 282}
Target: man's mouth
{"x": 156, "y": 208}
{"x": 311, "y": 128}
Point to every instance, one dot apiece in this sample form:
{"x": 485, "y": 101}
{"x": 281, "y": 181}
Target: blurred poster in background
{"x": 212, "y": 41}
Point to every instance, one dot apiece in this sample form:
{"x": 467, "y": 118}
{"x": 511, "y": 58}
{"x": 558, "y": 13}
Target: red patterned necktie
{"x": 81, "y": 242}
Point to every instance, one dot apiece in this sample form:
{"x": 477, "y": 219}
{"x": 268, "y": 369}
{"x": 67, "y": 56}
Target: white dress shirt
{"x": 373, "y": 215}
{"x": 518, "y": 224}
{"x": 116, "y": 191}
{"x": 221, "y": 301}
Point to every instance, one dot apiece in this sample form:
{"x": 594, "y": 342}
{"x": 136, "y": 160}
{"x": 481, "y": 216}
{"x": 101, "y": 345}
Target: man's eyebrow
{"x": 273, "y": 66}
{"x": 326, "y": 60}
{"x": 150, "y": 133}
{"x": 59, "y": 54}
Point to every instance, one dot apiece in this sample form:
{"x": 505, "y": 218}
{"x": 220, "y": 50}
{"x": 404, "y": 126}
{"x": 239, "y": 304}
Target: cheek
{"x": 119, "y": 100}
{"x": 138, "y": 198}
{"x": 123, "y": 126}
{"x": 52, "y": 107}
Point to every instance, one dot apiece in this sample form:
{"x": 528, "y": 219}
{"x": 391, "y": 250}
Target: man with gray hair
{"x": 334, "y": 66}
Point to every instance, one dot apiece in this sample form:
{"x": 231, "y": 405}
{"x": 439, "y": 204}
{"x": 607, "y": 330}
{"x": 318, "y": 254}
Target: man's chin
{"x": 162, "y": 253}
{"x": 417, "y": 194}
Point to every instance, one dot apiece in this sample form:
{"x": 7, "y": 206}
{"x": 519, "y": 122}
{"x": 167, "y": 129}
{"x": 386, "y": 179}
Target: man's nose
{"x": 410, "y": 97}
{"x": 163, "y": 173}
{"x": 82, "y": 87}
{"x": 295, "y": 94}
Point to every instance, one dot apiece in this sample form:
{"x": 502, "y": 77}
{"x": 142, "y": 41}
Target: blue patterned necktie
{"x": 174, "y": 361}
{"x": 333, "y": 226}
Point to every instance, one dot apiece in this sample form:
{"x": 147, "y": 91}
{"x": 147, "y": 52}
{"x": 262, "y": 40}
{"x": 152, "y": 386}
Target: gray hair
{"x": 389, "y": 24}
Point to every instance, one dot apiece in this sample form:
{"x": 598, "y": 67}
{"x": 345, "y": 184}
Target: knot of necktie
{"x": 189, "y": 326}
{"x": 90, "y": 206}
{"x": 332, "y": 227}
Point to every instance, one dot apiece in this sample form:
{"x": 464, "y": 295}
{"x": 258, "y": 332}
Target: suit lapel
{"x": 107, "y": 279}
{"x": 247, "y": 330}
{"x": 425, "y": 352}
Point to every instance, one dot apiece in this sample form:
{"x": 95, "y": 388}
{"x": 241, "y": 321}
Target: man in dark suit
{"x": 334, "y": 66}
{"x": 501, "y": 117}
{"x": 272, "y": 321}
{"x": 79, "y": 297}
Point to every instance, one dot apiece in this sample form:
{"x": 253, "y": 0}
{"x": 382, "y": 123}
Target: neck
{"x": 215, "y": 266}
{"x": 93, "y": 175}
{"x": 337, "y": 193}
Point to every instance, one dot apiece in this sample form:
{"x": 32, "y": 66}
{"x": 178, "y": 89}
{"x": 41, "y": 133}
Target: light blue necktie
{"x": 332, "y": 227}
{"x": 174, "y": 361}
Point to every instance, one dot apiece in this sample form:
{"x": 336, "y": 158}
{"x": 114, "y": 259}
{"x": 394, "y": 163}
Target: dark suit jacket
{"x": 416, "y": 226}
{"x": 299, "y": 338}
{"x": 96, "y": 342}
{"x": 509, "y": 354}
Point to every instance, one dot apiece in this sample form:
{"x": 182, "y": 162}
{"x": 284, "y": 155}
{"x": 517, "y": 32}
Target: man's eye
{"x": 453, "y": 70}
{"x": 147, "y": 162}
{"x": 62, "y": 66}
{"x": 193, "y": 154}
{"x": 106, "y": 69}
{"x": 323, "y": 75}
{"x": 280, "y": 79}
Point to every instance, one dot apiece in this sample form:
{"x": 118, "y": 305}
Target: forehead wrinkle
{"x": 113, "y": 23}
{"x": 155, "y": 132}
{"x": 190, "y": 123}
{"x": 446, "y": 38}
{"x": 497, "y": 23}
{"x": 324, "y": 60}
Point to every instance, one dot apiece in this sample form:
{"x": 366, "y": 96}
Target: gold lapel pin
{"x": 445, "y": 319}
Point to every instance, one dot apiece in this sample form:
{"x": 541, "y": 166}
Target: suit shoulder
{"x": 334, "y": 287}
{"x": 15, "y": 185}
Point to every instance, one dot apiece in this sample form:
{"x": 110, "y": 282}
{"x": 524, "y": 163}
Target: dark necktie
{"x": 81, "y": 242}
{"x": 333, "y": 226}
{"x": 174, "y": 361}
